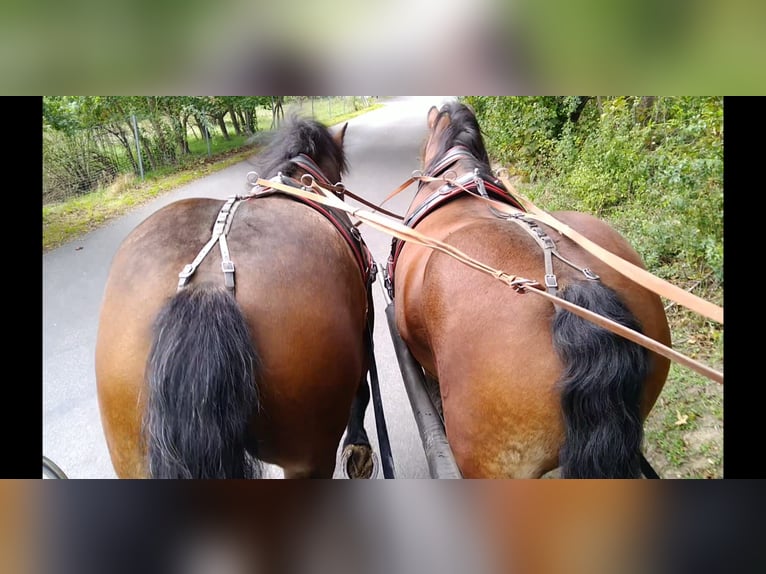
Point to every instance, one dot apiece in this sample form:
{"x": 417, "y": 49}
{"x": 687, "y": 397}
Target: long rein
{"x": 315, "y": 192}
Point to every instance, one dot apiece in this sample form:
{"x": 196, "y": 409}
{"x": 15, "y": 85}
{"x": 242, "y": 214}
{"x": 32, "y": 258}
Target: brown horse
{"x": 203, "y": 374}
{"x": 525, "y": 387}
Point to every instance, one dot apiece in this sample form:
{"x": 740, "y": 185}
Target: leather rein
{"x": 519, "y": 284}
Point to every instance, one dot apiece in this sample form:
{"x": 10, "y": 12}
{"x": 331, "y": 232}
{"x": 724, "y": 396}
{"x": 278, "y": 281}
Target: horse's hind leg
{"x": 356, "y": 446}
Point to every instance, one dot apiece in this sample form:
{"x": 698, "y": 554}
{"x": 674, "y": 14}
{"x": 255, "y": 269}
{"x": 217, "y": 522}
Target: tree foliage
{"x": 652, "y": 166}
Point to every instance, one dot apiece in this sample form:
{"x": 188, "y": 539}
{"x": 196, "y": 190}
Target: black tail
{"x": 202, "y": 376}
{"x": 600, "y": 387}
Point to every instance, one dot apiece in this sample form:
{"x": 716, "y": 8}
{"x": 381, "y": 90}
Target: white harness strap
{"x": 220, "y": 229}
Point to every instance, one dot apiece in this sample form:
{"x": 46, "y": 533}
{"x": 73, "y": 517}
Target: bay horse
{"x": 207, "y": 374}
{"x": 524, "y": 387}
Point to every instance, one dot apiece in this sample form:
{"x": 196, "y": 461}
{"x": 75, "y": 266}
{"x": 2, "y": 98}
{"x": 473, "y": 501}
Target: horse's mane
{"x": 463, "y": 129}
{"x": 295, "y": 137}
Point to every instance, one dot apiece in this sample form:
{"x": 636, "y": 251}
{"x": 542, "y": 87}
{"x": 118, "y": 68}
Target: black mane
{"x": 299, "y": 136}
{"x": 463, "y": 129}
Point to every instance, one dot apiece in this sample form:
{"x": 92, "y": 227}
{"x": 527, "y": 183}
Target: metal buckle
{"x": 479, "y": 183}
{"x": 550, "y": 281}
{"x": 252, "y": 178}
{"x": 187, "y": 271}
{"x": 590, "y": 274}
{"x": 228, "y": 273}
{"x": 307, "y": 181}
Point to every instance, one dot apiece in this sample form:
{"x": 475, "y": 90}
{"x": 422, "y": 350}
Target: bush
{"x": 651, "y": 166}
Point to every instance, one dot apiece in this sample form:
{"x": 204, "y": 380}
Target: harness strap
{"x": 537, "y": 233}
{"x": 222, "y": 225}
{"x": 227, "y": 265}
{"x": 519, "y": 284}
{"x": 452, "y": 189}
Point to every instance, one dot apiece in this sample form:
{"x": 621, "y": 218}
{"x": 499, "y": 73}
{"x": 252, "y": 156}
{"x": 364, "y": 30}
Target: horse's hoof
{"x": 359, "y": 461}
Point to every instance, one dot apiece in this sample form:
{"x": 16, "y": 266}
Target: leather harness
{"x": 472, "y": 183}
{"x": 340, "y": 220}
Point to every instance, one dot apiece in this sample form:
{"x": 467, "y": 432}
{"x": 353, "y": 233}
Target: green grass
{"x": 684, "y": 431}
{"x": 63, "y": 222}
{"x": 67, "y": 220}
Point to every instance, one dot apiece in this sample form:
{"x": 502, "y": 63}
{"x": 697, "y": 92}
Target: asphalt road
{"x": 383, "y": 148}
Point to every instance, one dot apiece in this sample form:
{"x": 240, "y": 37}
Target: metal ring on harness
{"x": 252, "y": 178}
{"x": 307, "y": 180}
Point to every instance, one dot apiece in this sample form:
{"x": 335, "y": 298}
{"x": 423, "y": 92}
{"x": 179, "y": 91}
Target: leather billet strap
{"x": 220, "y": 229}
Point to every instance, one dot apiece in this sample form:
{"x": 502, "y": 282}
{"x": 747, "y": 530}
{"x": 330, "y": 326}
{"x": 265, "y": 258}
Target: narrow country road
{"x": 383, "y": 148}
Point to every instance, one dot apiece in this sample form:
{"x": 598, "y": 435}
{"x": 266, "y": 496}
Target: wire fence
{"x": 82, "y": 161}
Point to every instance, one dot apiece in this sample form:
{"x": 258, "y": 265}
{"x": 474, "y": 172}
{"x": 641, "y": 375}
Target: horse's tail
{"x": 202, "y": 376}
{"x": 601, "y": 385}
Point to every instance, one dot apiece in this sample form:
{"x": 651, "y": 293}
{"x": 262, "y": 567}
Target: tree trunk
{"x": 222, "y": 125}
{"x": 248, "y": 121}
{"x": 644, "y": 108}
{"x": 243, "y": 121}
{"x": 575, "y": 115}
{"x": 146, "y": 152}
{"x": 204, "y": 134}
{"x": 118, "y": 132}
{"x": 181, "y": 139}
{"x": 277, "y": 111}
{"x": 183, "y": 136}
{"x": 234, "y": 121}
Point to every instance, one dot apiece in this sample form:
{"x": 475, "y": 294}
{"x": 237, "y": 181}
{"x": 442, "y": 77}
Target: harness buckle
{"x": 590, "y": 274}
{"x": 186, "y": 272}
{"x": 183, "y": 276}
{"x": 228, "y": 273}
{"x": 550, "y": 281}
{"x": 387, "y": 281}
{"x": 307, "y": 180}
{"x": 480, "y": 184}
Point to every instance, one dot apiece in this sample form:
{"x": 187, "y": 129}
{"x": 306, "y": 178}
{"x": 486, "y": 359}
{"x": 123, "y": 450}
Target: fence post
{"x": 138, "y": 146}
{"x": 207, "y": 139}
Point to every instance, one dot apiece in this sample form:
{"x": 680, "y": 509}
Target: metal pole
{"x": 441, "y": 460}
{"x": 138, "y": 146}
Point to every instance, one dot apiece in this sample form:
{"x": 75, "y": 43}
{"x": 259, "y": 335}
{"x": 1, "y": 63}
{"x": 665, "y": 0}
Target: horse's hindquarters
{"x": 304, "y": 304}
